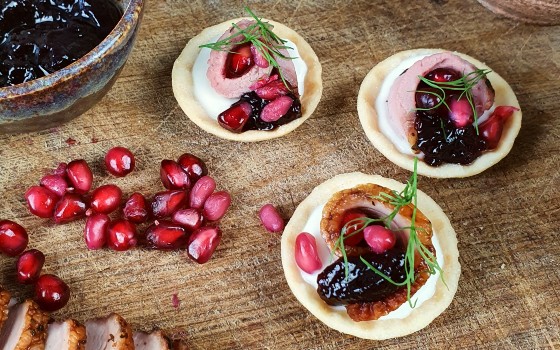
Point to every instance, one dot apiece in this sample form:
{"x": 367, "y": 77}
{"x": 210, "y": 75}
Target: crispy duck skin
{"x": 25, "y": 328}
{"x": 4, "y": 301}
{"x": 109, "y": 333}
{"x": 67, "y": 335}
{"x": 157, "y": 340}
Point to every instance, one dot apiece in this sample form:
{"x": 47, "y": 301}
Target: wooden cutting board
{"x": 507, "y": 219}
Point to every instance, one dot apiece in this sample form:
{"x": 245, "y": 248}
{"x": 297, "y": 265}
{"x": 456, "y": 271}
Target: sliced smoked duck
{"x": 67, "y": 335}
{"x": 109, "y": 333}
{"x": 25, "y": 328}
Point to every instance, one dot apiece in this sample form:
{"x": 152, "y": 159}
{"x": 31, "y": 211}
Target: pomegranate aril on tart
{"x": 121, "y": 235}
{"x": 460, "y": 112}
{"x": 351, "y": 237}
{"x": 51, "y": 293}
{"x": 442, "y": 75}
{"x": 239, "y": 61}
{"x": 193, "y": 166}
{"x": 172, "y": 175}
{"x": 167, "y": 202}
{"x": 119, "y": 161}
{"x": 69, "y": 208}
{"x": 259, "y": 59}
{"x": 216, "y": 206}
{"x": 13, "y": 238}
{"x": 136, "y": 208}
{"x": 272, "y": 90}
{"x": 105, "y": 199}
{"x": 165, "y": 235}
{"x": 190, "y": 218}
{"x": 427, "y": 98}
{"x": 235, "y": 117}
{"x": 55, "y": 183}
{"x": 306, "y": 253}
{"x": 203, "y": 242}
{"x": 41, "y": 201}
{"x": 276, "y": 109}
{"x": 95, "y": 231}
{"x": 200, "y": 192}
{"x": 79, "y": 176}
{"x": 29, "y": 265}
{"x": 491, "y": 129}
{"x": 271, "y": 219}
{"x": 379, "y": 238}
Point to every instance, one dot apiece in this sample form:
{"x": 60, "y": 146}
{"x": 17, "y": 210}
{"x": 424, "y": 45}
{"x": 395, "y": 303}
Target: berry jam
{"x": 39, "y": 37}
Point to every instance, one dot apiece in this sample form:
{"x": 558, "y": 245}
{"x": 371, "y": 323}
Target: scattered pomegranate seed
{"x": 200, "y": 192}
{"x": 29, "y": 265}
{"x": 239, "y": 61}
{"x": 441, "y": 75}
{"x": 106, "y": 198}
{"x": 350, "y": 238}
{"x": 166, "y": 235}
{"x": 56, "y": 183}
{"x": 41, "y": 201}
{"x": 166, "y": 203}
{"x": 272, "y": 90}
{"x": 121, "y": 235}
{"x": 491, "y": 129}
{"x": 119, "y": 161}
{"x": 172, "y": 175}
{"x": 379, "y": 238}
{"x": 60, "y": 170}
{"x": 216, "y": 205}
{"x": 203, "y": 243}
{"x": 306, "y": 254}
{"x": 95, "y": 231}
{"x": 193, "y": 166}
{"x": 51, "y": 293}
{"x": 79, "y": 176}
{"x": 259, "y": 59}
{"x": 175, "y": 301}
{"x": 13, "y": 238}
{"x": 136, "y": 209}
{"x": 276, "y": 109}
{"x": 190, "y": 219}
{"x": 71, "y": 142}
{"x": 235, "y": 117}
{"x": 70, "y": 207}
{"x": 271, "y": 219}
{"x": 461, "y": 112}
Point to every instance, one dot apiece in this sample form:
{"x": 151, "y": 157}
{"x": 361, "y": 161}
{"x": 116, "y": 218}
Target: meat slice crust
{"x": 25, "y": 327}
{"x": 109, "y": 333}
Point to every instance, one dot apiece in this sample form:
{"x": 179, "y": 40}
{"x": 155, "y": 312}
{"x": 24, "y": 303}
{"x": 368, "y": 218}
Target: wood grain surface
{"x": 507, "y": 219}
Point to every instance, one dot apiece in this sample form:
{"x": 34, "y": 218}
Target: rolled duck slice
{"x": 402, "y": 102}
{"x": 109, "y": 333}
{"x": 235, "y": 87}
{"x": 25, "y": 328}
{"x": 4, "y": 305}
{"x": 67, "y": 335}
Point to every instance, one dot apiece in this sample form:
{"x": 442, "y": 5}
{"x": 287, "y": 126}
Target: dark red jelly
{"x": 38, "y": 37}
{"x": 362, "y": 284}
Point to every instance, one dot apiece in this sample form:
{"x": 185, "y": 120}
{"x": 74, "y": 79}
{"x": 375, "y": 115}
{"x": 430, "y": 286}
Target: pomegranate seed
{"x": 190, "y": 219}
{"x": 203, "y": 243}
{"x": 200, "y": 192}
{"x": 491, "y": 129}
{"x": 428, "y": 99}
{"x": 167, "y": 202}
{"x": 307, "y": 257}
{"x": 216, "y": 206}
{"x": 106, "y": 198}
{"x": 272, "y": 90}
{"x": 79, "y": 176}
{"x": 276, "y": 109}
{"x": 119, "y": 161}
{"x": 239, "y": 61}
{"x": 121, "y": 235}
{"x": 70, "y": 207}
{"x": 351, "y": 238}
{"x": 56, "y": 183}
{"x": 95, "y": 231}
{"x": 504, "y": 112}
{"x": 259, "y": 59}
{"x": 136, "y": 208}
{"x": 193, "y": 166}
{"x": 13, "y": 238}
{"x": 266, "y": 79}
{"x": 41, "y": 201}
{"x": 271, "y": 220}
{"x": 379, "y": 238}
{"x": 235, "y": 117}
{"x": 29, "y": 265}
{"x": 441, "y": 75}
{"x": 51, "y": 293}
{"x": 60, "y": 170}
{"x": 166, "y": 235}
{"x": 173, "y": 177}
{"x": 461, "y": 112}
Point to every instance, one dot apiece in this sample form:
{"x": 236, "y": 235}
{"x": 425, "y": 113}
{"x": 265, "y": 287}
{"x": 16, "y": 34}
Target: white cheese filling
{"x": 214, "y": 103}
{"x": 313, "y": 226}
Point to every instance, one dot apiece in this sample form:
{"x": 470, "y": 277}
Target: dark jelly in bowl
{"x": 70, "y": 85}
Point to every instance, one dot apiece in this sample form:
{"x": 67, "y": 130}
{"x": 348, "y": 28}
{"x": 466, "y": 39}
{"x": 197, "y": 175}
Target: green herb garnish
{"x": 464, "y": 85}
{"x": 261, "y": 36}
{"x": 399, "y": 200}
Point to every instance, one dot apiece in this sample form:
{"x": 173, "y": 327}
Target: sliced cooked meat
{"x": 109, "y": 333}
{"x": 151, "y": 341}
{"x": 4, "y": 304}
{"x": 67, "y": 335}
{"x": 25, "y": 328}
{"x": 180, "y": 345}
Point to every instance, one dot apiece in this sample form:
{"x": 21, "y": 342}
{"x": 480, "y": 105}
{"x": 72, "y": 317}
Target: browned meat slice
{"x": 151, "y": 341}
{"x": 109, "y": 333}
{"x": 180, "y": 345}
{"x": 25, "y": 328}
{"x": 67, "y": 335}
{"x": 4, "y": 302}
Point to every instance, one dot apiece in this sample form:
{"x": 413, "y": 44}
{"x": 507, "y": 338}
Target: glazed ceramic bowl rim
{"x": 89, "y": 59}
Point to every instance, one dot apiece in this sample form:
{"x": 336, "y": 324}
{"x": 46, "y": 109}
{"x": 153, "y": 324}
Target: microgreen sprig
{"x": 464, "y": 85}
{"x": 399, "y": 200}
{"x": 261, "y": 36}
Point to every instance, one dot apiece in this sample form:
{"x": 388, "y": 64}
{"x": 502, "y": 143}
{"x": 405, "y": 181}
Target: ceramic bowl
{"x": 545, "y": 12}
{"x": 67, "y": 93}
